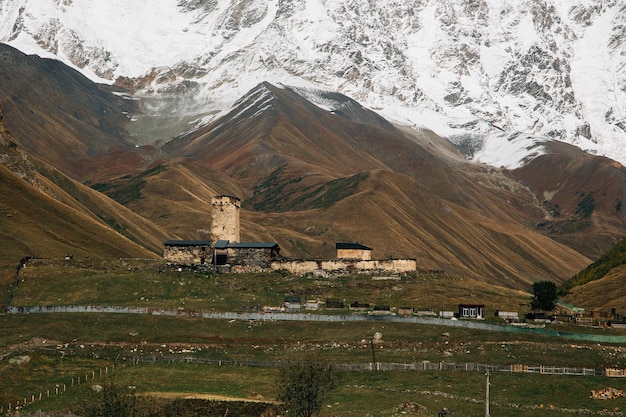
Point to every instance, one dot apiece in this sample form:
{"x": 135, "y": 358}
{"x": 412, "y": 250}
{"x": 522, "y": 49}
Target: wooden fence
{"x": 60, "y": 388}
{"x": 386, "y": 366}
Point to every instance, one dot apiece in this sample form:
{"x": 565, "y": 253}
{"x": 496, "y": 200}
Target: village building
{"x": 348, "y": 250}
{"x": 405, "y": 311}
{"x": 471, "y": 311}
{"x": 332, "y": 303}
{"x": 382, "y": 310}
{"x": 507, "y": 315}
{"x": 227, "y": 254}
{"x": 253, "y": 255}
{"x": 293, "y": 303}
{"x": 312, "y": 305}
{"x": 446, "y": 314}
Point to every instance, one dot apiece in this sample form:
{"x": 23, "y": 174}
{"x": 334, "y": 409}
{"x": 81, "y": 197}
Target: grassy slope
{"x": 44, "y": 213}
{"x": 95, "y": 341}
{"x": 35, "y": 224}
{"x": 105, "y": 210}
{"x": 393, "y": 214}
{"x": 602, "y": 294}
{"x": 600, "y": 286}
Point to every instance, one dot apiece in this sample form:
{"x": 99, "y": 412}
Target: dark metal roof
{"x": 350, "y": 245}
{"x": 221, "y": 244}
{"x": 252, "y": 245}
{"x": 187, "y": 243}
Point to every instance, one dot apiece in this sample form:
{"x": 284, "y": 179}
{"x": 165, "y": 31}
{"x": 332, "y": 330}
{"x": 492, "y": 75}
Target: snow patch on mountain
{"x": 509, "y": 151}
{"x": 550, "y": 68}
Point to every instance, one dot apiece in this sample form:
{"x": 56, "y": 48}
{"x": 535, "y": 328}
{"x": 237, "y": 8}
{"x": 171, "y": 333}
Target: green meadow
{"x": 68, "y": 353}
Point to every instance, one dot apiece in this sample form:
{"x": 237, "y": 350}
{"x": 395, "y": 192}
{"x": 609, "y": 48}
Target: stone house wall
{"x": 362, "y": 254}
{"x": 252, "y": 257}
{"x": 187, "y": 255}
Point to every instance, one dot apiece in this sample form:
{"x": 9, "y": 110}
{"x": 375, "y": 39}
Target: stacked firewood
{"x": 608, "y": 393}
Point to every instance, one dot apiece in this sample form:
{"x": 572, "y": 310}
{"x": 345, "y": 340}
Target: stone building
{"x": 188, "y": 252}
{"x": 228, "y": 254}
{"x": 251, "y": 256}
{"x": 227, "y": 249}
{"x": 347, "y": 250}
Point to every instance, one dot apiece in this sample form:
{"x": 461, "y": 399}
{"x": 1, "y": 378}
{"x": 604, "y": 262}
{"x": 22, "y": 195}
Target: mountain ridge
{"x": 292, "y": 163}
{"x": 464, "y": 70}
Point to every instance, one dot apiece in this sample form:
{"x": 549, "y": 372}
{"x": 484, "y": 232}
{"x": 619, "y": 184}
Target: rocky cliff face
{"x": 465, "y": 69}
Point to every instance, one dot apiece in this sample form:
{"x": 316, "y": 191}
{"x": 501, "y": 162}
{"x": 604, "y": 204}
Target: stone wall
{"x": 187, "y": 255}
{"x": 338, "y": 266}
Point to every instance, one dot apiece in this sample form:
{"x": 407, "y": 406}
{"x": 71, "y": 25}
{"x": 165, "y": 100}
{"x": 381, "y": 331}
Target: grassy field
{"x": 145, "y": 283}
{"x": 357, "y": 393}
{"x": 63, "y": 347}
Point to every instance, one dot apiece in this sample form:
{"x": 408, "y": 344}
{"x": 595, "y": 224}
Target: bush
{"x": 113, "y": 402}
{"x": 304, "y": 386}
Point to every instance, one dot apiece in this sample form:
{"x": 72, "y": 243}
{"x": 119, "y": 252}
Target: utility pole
{"x": 487, "y": 395}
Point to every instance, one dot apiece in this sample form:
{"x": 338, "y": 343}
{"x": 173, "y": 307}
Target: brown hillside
{"x": 307, "y": 176}
{"x": 34, "y": 224}
{"x": 395, "y": 216}
{"x": 57, "y": 114}
{"x": 300, "y": 173}
{"x": 46, "y": 214}
{"x": 603, "y": 294}
{"x": 584, "y": 197}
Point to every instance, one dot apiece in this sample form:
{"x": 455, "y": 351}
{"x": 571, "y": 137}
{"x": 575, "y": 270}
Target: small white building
{"x": 471, "y": 311}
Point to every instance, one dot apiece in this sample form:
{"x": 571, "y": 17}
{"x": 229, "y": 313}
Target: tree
{"x": 304, "y": 386}
{"x": 544, "y": 296}
{"x": 112, "y": 403}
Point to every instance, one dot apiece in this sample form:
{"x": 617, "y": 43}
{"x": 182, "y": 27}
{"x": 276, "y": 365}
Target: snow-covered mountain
{"x": 498, "y": 76}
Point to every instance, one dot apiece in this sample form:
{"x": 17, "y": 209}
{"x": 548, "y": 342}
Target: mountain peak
{"x": 547, "y": 69}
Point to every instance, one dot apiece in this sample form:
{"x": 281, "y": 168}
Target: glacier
{"x": 506, "y": 71}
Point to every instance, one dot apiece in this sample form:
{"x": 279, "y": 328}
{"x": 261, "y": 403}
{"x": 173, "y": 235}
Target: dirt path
{"x": 35, "y": 342}
{"x": 198, "y": 396}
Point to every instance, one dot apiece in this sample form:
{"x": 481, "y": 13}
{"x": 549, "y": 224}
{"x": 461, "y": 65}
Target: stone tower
{"x": 225, "y": 218}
